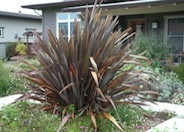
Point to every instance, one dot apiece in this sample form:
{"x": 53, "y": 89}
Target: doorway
{"x": 137, "y": 24}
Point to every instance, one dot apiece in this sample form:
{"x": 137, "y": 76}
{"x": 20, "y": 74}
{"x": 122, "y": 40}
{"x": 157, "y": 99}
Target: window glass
{"x": 63, "y": 27}
{"x": 1, "y": 32}
{"x": 74, "y": 15}
{"x": 176, "y": 44}
{"x": 30, "y": 32}
{"x": 176, "y": 26}
{"x": 175, "y": 34}
{"x": 66, "y": 23}
{"x": 72, "y": 28}
{"x": 63, "y": 16}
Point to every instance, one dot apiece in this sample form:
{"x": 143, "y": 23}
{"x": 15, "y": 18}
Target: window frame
{"x": 2, "y": 32}
{"x": 166, "y": 27}
{"x": 30, "y": 30}
{"x": 69, "y": 20}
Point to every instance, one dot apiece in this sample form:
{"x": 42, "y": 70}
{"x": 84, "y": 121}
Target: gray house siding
{"x": 149, "y": 18}
{"x": 49, "y": 20}
{"x": 14, "y": 27}
{"x": 160, "y": 18}
{"x": 2, "y": 50}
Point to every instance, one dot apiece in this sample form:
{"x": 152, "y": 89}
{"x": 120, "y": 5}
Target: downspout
{"x": 42, "y": 19}
{"x": 37, "y": 13}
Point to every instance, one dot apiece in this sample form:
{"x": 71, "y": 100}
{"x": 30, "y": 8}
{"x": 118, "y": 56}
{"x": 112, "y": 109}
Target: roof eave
{"x": 19, "y": 15}
{"x": 61, "y": 4}
{"x": 130, "y": 4}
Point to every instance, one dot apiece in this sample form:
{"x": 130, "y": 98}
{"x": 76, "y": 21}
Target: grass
{"x": 25, "y": 117}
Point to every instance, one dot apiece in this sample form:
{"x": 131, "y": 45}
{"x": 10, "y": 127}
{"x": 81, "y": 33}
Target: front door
{"x": 137, "y": 24}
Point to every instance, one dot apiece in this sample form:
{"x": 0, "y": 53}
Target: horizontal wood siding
{"x": 49, "y": 20}
{"x": 2, "y": 51}
{"x": 14, "y": 28}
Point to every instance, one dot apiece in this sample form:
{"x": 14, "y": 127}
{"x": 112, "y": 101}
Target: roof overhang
{"x": 19, "y": 15}
{"x": 62, "y": 4}
{"x": 127, "y": 5}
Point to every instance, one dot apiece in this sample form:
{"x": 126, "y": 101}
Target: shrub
{"x": 21, "y": 48}
{"x": 9, "y": 71}
{"x": 16, "y": 84}
{"x": 154, "y": 45}
{"x": 10, "y": 50}
{"x": 170, "y": 84}
{"x": 84, "y": 76}
{"x": 166, "y": 83}
{"x": 179, "y": 70}
{"x": 4, "y": 78}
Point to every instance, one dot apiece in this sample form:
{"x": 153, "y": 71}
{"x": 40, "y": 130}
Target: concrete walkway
{"x": 8, "y": 100}
{"x": 175, "y": 124}
{"x": 159, "y": 106}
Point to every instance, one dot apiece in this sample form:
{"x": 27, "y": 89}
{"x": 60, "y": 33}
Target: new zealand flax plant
{"x": 87, "y": 74}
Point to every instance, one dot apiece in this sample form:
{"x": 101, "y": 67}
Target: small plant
{"x": 4, "y": 78}
{"x": 84, "y": 76}
{"x": 21, "y": 48}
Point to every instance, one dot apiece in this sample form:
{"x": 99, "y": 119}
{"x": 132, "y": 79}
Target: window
{"x": 1, "y": 32}
{"x": 65, "y": 23}
{"x": 30, "y": 32}
{"x": 175, "y": 33}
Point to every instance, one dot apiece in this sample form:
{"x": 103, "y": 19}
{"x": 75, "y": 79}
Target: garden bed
{"x": 26, "y": 116}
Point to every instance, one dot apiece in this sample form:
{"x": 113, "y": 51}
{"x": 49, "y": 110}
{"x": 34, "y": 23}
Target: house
{"x": 165, "y": 16}
{"x": 15, "y": 26}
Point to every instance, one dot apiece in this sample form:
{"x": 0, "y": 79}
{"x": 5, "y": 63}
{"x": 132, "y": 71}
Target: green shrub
{"x": 170, "y": 84}
{"x": 154, "y": 45}
{"x": 21, "y": 48}
{"x": 4, "y": 79}
{"x": 10, "y": 81}
{"x": 10, "y": 50}
{"x": 166, "y": 83}
{"x": 18, "y": 84}
{"x": 179, "y": 70}
{"x": 84, "y": 76}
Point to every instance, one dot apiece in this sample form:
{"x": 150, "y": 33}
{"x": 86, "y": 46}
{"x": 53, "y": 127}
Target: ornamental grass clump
{"x": 86, "y": 75}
